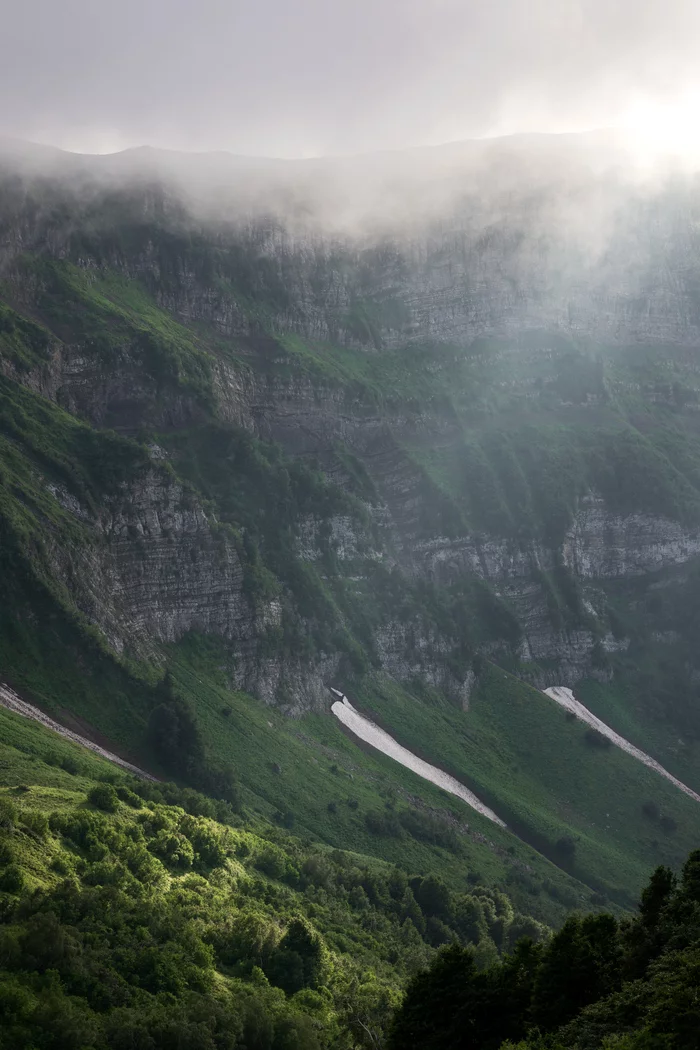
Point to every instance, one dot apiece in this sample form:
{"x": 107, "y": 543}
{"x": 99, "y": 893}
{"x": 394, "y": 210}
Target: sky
{"x": 300, "y": 78}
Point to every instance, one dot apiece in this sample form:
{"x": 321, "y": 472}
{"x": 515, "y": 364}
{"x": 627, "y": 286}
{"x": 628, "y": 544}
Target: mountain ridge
{"x": 263, "y": 457}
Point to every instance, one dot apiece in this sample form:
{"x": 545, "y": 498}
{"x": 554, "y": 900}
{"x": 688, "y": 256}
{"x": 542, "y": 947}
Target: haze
{"x": 314, "y": 77}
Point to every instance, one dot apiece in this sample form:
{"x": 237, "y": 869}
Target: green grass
{"x": 24, "y": 343}
{"x": 32, "y": 755}
{"x": 111, "y": 315}
{"x": 300, "y": 766}
{"x": 516, "y": 749}
{"x": 416, "y": 376}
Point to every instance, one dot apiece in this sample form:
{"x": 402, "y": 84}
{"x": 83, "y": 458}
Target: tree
{"x": 104, "y": 797}
{"x": 432, "y": 1012}
{"x": 433, "y": 897}
{"x": 580, "y": 965}
{"x": 173, "y": 734}
{"x": 301, "y": 961}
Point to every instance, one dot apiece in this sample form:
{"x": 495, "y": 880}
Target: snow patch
{"x": 371, "y": 734}
{"x": 12, "y": 702}
{"x": 565, "y": 698}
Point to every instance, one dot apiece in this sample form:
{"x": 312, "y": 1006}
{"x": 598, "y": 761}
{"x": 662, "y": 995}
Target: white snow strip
{"x": 565, "y": 698}
{"x": 12, "y": 702}
{"x": 372, "y": 734}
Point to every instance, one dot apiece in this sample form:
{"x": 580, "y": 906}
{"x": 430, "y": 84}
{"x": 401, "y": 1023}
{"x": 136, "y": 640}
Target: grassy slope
{"x": 39, "y": 771}
{"x": 292, "y": 766}
{"x": 300, "y": 766}
{"x": 33, "y": 755}
{"x": 516, "y": 748}
{"x": 511, "y": 483}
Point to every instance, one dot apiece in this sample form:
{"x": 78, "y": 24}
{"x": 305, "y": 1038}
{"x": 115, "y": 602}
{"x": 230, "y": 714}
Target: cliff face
{"x": 471, "y": 397}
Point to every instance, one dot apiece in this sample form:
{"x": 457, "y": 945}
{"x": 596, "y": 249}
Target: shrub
{"x": 8, "y": 814}
{"x": 12, "y": 879}
{"x": 565, "y": 847}
{"x": 35, "y": 822}
{"x": 272, "y": 862}
{"x": 174, "y": 849}
{"x": 61, "y": 865}
{"x": 595, "y": 739}
{"x": 104, "y": 797}
{"x": 650, "y": 810}
{"x": 386, "y": 824}
{"x": 429, "y": 829}
{"x": 125, "y": 794}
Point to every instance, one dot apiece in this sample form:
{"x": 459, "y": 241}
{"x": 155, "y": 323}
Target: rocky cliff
{"x": 399, "y": 451}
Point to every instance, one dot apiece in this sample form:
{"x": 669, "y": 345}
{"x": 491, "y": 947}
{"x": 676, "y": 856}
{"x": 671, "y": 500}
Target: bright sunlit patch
{"x": 653, "y": 129}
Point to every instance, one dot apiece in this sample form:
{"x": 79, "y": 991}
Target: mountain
{"x": 422, "y": 427}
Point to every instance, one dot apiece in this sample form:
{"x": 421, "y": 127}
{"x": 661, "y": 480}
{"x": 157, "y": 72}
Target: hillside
{"x": 443, "y": 464}
{"x": 145, "y": 914}
{"x": 596, "y": 983}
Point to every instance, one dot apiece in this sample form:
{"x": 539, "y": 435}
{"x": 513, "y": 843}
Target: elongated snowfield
{"x": 372, "y": 734}
{"x": 565, "y": 698}
{"x": 12, "y": 702}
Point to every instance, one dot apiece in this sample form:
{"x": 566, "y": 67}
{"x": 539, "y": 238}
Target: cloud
{"x": 319, "y": 76}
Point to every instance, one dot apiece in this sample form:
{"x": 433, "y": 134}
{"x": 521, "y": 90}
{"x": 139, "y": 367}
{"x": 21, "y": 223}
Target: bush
{"x": 174, "y": 849}
{"x": 12, "y": 879}
{"x": 125, "y": 794}
{"x": 272, "y": 862}
{"x": 429, "y": 829}
{"x": 61, "y": 865}
{"x": 104, "y": 797}
{"x": 595, "y": 739}
{"x": 35, "y": 822}
{"x": 650, "y": 810}
{"x": 385, "y": 824}
{"x": 565, "y": 848}
{"x": 8, "y": 814}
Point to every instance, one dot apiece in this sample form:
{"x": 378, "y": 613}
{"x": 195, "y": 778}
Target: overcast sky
{"x": 308, "y": 77}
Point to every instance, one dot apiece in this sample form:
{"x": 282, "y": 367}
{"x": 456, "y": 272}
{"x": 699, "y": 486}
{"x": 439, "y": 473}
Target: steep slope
{"x": 273, "y": 457}
{"x": 154, "y": 916}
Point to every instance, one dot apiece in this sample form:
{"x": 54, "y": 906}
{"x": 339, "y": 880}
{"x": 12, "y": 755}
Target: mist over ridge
{"x": 574, "y": 232}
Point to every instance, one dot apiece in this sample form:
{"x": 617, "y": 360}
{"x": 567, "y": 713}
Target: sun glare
{"x": 659, "y": 130}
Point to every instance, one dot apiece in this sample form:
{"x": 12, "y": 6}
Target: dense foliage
{"x": 631, "y": 984}
{"x": 127, "y": 921}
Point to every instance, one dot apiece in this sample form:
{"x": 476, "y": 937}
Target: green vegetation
{"x": 577, "y": 804}
{"x": 285, "y": 886}
{"x": 23, "y": 343}
{"x": 266, "y": 505}
{"x": 131, "y": 915}
{"x": 596, "y": 983}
